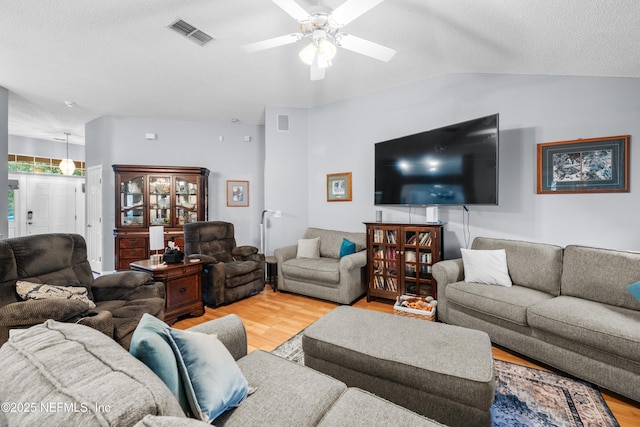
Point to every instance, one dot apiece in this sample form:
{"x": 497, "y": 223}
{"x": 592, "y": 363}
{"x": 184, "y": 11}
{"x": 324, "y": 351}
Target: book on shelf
{"x": 385, "y": 284}
{"x": 392, "y": 284}
{"x": 425, "y": 239}
{"x": 410, "y": 256}
{"x": 391, "y": 236}
{"x": 425, "y": 257}
{"x": 412, "y": 239}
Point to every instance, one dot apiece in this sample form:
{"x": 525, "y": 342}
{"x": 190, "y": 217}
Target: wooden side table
{"x": 182, "y": 283}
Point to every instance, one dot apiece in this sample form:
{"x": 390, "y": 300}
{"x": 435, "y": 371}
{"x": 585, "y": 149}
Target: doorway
{"x": 46, "y": 204}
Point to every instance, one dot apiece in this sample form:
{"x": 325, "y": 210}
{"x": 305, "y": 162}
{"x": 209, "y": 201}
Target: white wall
{"x": 533, "y": 109}
{"x": 113, "y": 140}
{"x": 285, "y": 177}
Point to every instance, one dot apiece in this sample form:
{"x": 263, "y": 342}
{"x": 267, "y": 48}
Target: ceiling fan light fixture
{"x": 326, "y": 50}
{"x": 322, "y": 49}
{"x": 308, "y": 54}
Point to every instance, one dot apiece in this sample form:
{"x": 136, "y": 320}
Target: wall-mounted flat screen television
{"x": 452, "y": 165}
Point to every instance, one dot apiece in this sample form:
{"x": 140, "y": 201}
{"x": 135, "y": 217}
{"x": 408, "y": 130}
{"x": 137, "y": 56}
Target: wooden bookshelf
{"x": 400, "y": 257}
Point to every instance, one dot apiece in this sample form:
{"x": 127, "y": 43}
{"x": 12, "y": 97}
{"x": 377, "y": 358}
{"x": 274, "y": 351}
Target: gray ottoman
{"x": 441, "y": 371}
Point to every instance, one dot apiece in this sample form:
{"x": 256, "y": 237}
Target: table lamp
{"x": 156, "y": 242}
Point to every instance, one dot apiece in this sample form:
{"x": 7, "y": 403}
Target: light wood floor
{"x": 271, "y": 318}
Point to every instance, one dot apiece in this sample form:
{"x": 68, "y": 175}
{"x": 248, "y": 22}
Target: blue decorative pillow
{"x": 212, "y": 378}
{"x": 634, "y": 288}
{"x": 151, "y": 345}
{"x": 347, "y": 248}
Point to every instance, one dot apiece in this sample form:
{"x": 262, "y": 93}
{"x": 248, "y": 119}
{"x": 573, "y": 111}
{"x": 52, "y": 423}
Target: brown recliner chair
{"x": 231, "y": 272}
{"x": 61, "y": 260}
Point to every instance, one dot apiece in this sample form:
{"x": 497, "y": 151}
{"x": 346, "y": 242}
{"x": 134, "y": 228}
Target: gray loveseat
{"x": 65, "y": 374}
{"x": 328, "y": 276}
{"x": 568, "y": 308}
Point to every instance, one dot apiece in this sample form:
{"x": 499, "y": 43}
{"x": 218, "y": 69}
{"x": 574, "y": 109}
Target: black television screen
{"x": 452, "y": 165}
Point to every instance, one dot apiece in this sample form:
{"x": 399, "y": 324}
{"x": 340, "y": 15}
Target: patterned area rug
{"x": 524, "y": 396}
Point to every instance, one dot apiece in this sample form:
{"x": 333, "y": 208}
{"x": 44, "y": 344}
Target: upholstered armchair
{"x": 231, "y": 272}
{"x": 45, "y": 264}
{"x": 320, "y": 267}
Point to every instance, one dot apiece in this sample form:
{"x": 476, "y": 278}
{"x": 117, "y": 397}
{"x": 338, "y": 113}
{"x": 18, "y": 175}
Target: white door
{"x": 51, "y": 205}
{"x": 38, "y": 218}
{"x": 94, "y": 217}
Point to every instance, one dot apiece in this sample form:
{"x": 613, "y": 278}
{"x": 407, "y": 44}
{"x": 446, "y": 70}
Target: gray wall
{"x": 4, "y": 167}
{"x": 286, "y": 177}
{"x": 113, "y": 140}
{"x": 533, "y": 110}
{"x": 44, "y": 148}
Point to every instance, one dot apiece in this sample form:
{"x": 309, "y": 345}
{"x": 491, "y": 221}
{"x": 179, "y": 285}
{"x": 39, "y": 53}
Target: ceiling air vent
{"x": 191, "y": 32}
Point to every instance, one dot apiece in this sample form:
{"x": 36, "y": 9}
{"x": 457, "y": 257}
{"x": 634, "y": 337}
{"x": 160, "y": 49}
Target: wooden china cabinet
{"x": 155, "y": 195}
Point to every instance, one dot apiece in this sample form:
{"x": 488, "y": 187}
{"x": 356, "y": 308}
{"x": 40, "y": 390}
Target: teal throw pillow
{"x": 347, "y": 248}
{"x": 634, "y": 288}
{"x": 151, "y": 345}
{"x": 212, "y": 378}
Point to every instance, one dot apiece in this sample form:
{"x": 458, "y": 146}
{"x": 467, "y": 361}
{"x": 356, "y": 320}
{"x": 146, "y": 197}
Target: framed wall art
{"x": 339, "y": 187}
{"x": 237, "y": 194}
{"x": 596, "y": 165}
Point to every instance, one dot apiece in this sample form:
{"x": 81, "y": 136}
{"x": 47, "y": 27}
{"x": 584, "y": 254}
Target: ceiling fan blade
{"x": 351, "y": 9}
{"x": 294, "y": 9}
{"x": 365, "y": 47}
{"x": 317, "y": 73}
{"x": 274, "y": 42}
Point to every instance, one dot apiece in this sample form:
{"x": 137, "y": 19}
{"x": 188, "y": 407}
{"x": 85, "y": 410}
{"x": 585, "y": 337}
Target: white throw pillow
{"x": 486, "y": 266}
{"x": 309, "y": 248}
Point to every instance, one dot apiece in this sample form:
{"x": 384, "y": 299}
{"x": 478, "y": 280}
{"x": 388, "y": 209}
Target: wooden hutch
{"x": 155, "y": 195}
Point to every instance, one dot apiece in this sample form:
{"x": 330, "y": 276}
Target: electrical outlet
{"x": 277, "y": 214}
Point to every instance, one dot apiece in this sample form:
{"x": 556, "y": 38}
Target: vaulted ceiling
{"x": 118, "y": 57}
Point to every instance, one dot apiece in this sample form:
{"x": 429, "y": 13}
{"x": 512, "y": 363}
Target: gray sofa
{"x": 568, "y": 308}
{"x": 328, "y": 277}
{"x": 66, "y": 374}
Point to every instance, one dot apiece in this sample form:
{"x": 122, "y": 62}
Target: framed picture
{"x": 237, "y": 193}
{"x": 597, "y": 165}
{"x": 339, "y": 187}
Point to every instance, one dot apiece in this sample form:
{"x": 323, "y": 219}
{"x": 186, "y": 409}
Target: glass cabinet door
{"x": 132, "y": 202}
{"x": 385, "y": 259}
{"x": 186, "y": 206}
{"x": 418, "y": 244}
{"x": 159, "y": 200}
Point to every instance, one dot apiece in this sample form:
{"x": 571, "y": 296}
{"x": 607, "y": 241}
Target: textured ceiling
{"x": 118, "y": 57}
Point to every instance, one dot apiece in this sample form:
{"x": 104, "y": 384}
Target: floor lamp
{"x": 262, "y": 229}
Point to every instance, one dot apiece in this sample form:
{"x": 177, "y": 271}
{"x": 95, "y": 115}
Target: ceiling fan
{"x": 322, "y": 26}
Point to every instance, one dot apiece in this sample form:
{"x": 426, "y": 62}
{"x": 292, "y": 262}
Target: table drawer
{"x": 133, "y": 253}
{"x": 133, "y": 242}
{"x": 185, "y": 270}
{"x": 182, "y": 291}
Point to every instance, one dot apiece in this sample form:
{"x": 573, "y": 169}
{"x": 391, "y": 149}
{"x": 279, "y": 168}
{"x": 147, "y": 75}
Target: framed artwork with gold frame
{"x": 339, "y": 187}
{"x": 237, "y": 194}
